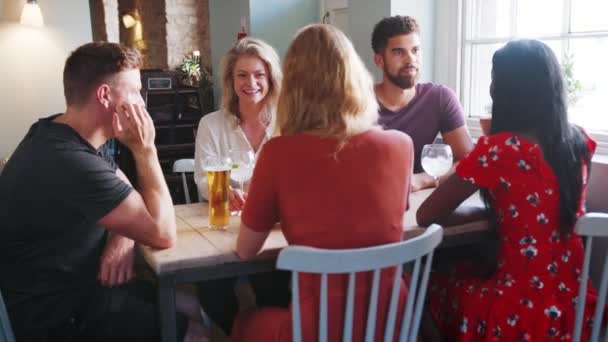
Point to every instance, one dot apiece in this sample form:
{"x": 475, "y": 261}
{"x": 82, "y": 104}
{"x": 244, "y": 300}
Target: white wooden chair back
{"x": 591, "y": 225}
{"x": 597, "y": 202}
{"x": 182, "y": 166}
{"x": 6, "y": 332}
{"x": 324, "y": 261}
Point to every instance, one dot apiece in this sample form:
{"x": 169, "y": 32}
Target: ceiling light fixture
{"x": 31, "y": 14}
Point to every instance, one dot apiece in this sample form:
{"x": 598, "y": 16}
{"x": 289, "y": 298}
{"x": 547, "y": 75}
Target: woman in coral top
{"x": 332, "y": 178}
{"x": 532, "y": 171}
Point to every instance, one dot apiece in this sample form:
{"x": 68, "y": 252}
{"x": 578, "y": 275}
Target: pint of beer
{"x": 218, "y": 180}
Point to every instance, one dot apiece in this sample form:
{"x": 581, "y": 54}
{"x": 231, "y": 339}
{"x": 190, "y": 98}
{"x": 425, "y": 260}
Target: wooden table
{"x": 204, "y": 254}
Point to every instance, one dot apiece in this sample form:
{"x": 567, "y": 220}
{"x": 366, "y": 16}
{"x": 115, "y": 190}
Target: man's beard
{"x": 403, "y": 82}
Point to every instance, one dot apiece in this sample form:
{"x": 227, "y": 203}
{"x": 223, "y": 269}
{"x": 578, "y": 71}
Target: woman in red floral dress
{"x": 532, "y": 171}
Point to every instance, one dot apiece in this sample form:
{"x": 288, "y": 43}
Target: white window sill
{"x": 601, "y": 152}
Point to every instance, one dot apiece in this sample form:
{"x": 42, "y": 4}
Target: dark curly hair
{"x": 390, "y": 27}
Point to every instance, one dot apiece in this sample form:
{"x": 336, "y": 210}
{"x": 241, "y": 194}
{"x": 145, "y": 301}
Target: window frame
{"x": 466, "y": 43}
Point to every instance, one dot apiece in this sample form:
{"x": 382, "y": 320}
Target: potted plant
{"x": 191, "y": 68}
{"x": 198, "y": 76}
{"x": 205, "y": 88}
{"x": 573, "y": 86}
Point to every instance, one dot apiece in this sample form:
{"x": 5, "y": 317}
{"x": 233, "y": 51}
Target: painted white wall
{"x": 364, "y": 15}
{"x": 424, "y": 12}
{"x": 224, "y": 23}
{"x": 31, "y": 63}
{"x": 277, "y": 21}
{"x": 448, "y": 38}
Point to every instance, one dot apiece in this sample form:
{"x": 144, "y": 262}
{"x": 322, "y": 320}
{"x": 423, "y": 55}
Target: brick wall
{"x": 111, "y": 20}
{"x": 170, "y": 28}
{"x": 98, "y": 21}
{"x": 154, "y": 19}
{"x": 187, "y": 30}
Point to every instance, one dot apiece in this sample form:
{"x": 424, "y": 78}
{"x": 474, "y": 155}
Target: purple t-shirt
{"x": 435, "y": 108}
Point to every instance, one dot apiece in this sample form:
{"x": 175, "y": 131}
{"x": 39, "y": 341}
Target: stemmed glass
{"x": 436, "y": 159}
{"x": 242, "y": 167}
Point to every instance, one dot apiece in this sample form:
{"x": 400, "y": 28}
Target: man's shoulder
{"x": 46, "y": 140}
{"x": 435, "y": 89}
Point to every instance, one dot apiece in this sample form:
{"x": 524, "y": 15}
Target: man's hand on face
{"x": 134, "y": 127}
{"x": 116, "y": 267}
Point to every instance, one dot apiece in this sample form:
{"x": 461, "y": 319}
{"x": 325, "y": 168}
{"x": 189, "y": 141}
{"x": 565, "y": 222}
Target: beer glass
{"x": 218, "y": 181}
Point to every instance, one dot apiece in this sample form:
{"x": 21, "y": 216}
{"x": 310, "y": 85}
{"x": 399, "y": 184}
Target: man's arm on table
{"x": 117, "y": 259}
{"x": 146, "y": 216}
{"x": 459, "y": 140}
{"x": 460, "y": 143}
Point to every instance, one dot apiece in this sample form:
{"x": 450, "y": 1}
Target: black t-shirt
{"x": 53, "y": 191}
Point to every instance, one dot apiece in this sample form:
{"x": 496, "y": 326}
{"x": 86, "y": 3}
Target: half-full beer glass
{"x": 218, "y": 180}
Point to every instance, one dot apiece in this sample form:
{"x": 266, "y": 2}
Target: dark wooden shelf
{"x": 175, "y": 126}
{"x": 180, "y": 90}
{"x": 175, "y": 147}
{"x": 176, "y": 114}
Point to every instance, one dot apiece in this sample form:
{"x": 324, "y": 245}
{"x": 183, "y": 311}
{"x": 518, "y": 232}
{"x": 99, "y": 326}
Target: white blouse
{"x": 217, "y": 134}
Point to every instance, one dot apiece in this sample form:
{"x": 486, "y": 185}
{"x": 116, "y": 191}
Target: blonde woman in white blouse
{"x": 251, "y": 81}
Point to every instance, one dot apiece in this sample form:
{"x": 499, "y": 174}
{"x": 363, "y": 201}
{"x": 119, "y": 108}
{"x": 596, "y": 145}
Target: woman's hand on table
{"x": 236, "y": 199}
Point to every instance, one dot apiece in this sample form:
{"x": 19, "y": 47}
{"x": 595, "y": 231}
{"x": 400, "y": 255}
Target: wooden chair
{"x": 6, "y": 332}
{"x": 323, "y": 261}
{"x": 591, "y": 225}
{"x": 182, "y": 166}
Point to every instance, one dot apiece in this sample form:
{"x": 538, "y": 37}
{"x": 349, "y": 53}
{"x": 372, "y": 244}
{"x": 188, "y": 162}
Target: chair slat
{"x": 370, "y": 328}
{"x": 582, "y": 291}
{"x": 6, "y": 331}
{"x": 295, "y": 308}
{"x": 599, "y": 308}
{"x": 186, "y": 192}
{"x": 589, "y": 226}
{"x": 325, "y": 262}
{"x": 182, "y": 166}
{"x": 421, "y": 295}
{"x": 389, "y": 331}
{"x": 323, "y": 309}
{"x": 412, "y": 289}
{"x": 350, "y": 309}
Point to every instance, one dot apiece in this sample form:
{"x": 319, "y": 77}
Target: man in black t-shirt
{"x": 69, "y": 217}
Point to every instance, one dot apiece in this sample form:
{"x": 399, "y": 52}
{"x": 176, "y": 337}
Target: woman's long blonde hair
{"x": 249, "y": 46}
{"x": 326, "y": 88}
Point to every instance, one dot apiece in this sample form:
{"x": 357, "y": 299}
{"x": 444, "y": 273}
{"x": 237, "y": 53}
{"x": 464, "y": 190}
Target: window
{"x": 576, "y": 30}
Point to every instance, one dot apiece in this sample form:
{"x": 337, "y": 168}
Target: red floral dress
{"x": 532, "y": 295}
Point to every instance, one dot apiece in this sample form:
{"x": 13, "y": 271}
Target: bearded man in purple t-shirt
{"x": 422, "y": 110}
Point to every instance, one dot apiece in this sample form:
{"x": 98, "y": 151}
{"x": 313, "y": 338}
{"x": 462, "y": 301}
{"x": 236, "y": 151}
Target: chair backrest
{"x": 597, "y": 202}
{"x": 182, "y": 166}
{"x": 591, "y": 225}
{"x": 323, "y": 261}
{"x": 6, "y": 332}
